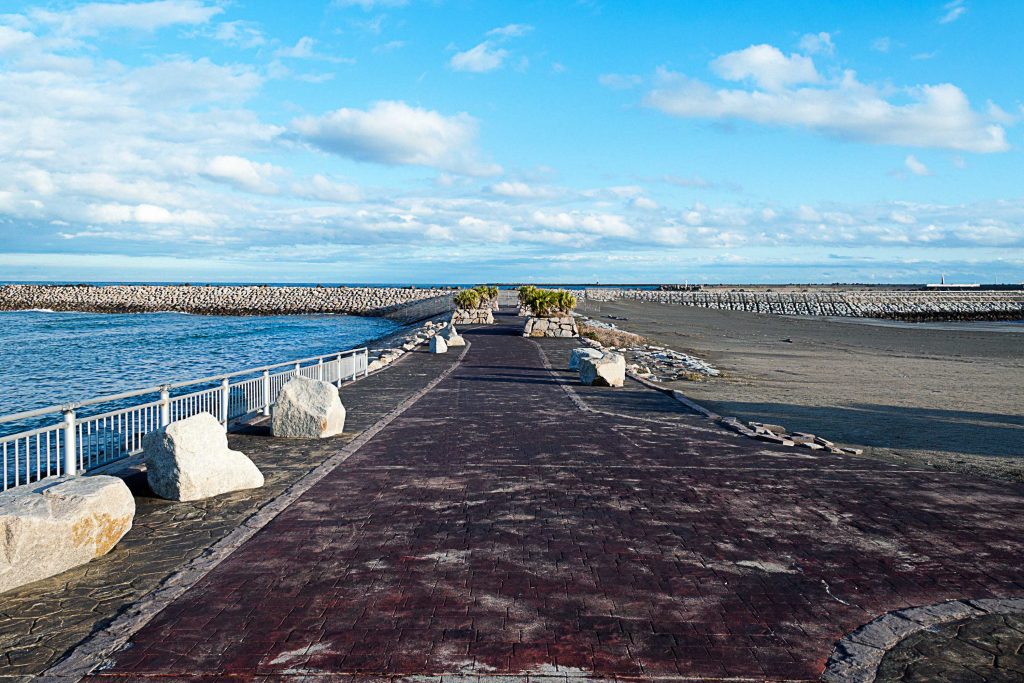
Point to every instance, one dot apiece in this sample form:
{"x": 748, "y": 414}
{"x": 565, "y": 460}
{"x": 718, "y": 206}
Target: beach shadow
{"x": 894, "y": 427}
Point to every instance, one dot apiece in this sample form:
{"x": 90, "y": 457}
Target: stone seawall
{"x": 402, "y": 305}
{"x": 913, "y": 306}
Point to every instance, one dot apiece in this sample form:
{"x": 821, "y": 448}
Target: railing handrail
{"x": 74, "y": 405}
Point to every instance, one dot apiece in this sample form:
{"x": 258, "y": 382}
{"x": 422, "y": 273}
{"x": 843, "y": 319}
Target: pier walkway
{"x": 513, "y": 523}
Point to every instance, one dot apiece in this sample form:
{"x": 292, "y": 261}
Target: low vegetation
{"x": 477, "y": 297}
{"x": 610, "y": 337}
{"x": 467, "y": 299}
{"x": 547, "y": 303}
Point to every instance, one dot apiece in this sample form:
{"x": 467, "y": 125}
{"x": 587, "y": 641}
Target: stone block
{"x": 607, "y": 371}
{"x": 438, "y": 345}
{"x": 190, "y": 460}
{"x": 579, "y": 354}
{"x": 58, "y": 523}
{"x": 308, "y": 409}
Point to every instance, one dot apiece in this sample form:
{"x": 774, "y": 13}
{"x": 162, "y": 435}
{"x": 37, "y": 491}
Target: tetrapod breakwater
{"x": 398, "y": 303}
{"x": 913, "y": 306}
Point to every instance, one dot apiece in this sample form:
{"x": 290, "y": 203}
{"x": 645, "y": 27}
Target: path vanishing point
{"x": 491, "y": 519}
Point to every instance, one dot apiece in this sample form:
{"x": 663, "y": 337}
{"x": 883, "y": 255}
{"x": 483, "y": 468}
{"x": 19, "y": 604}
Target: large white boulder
{"x": 579, "y": 354}
{"x": 308, "y": 409}
{"x": 451, "y": 336}
{"x": 190, "y": 460}
{"x": 438, "y": 345}
{"x": 58, "y": 523}
{"x": 609, "y": 370}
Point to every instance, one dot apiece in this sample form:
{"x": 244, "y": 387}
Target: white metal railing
{"x": 82, "y": 442}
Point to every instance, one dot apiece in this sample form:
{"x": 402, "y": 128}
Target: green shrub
{"x": 524, "y": 294}
{"x": 467, "y": 298}
{"x": 546, "y": 303}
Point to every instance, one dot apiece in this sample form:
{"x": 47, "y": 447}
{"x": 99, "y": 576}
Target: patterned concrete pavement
{"x": 41, "y": 621}
{"x": 495, "y": 528}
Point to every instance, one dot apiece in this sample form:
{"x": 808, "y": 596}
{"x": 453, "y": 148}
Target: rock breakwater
{"x": 405, "y": 305}
{"x": 914, "y": 306}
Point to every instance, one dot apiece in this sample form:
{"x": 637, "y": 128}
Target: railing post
{"x": 320, "y": 369}
{"x": 298, "y": 366}
{"x": 266, "y": 392}
{"x": 225, "y": 398}
{"x": 340, "y": 376}
{"x": 366, "y": 363}
{"x": 70, "y": 455}
{"x": 165, "y": 407}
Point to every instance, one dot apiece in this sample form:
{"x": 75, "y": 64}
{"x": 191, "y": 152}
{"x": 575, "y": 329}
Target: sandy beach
{"x": 944, "y": 395}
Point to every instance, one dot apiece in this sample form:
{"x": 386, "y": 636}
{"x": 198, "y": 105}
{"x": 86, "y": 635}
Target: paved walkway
{"x": 498, "y": 528}
{"x": 41, "y": 621}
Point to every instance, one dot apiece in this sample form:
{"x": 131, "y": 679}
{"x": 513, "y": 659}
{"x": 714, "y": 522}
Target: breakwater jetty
{"x": 914, "y": 306}
{"x": 401, "y": 304}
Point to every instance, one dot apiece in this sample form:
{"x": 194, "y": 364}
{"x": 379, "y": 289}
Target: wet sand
{"x": 947, "y": 396}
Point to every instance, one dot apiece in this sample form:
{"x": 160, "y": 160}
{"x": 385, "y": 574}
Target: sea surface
{"x": 49, "y": 358}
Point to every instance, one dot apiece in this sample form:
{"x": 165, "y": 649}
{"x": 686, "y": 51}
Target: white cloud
{"x": 479, "y": 59}
{"x": 241, "y": 33}
{"x": 397, "y": 134}
{"x": 243, "y": 173}
{"x": 489, "y": 55}
{"x": 645, "y": 203}
{"x": 883, "y": 44}
{"x": 303, "y": 49}
{"x": 916, "y": 167}
{"x": 12, "y": 39}
{"x": 92, "y": 18}
{"x": 521, "y": 190}
{"x": 953, "y": 11}
{"x": 817, "y": 43}
{"x": 326, "y": 190}
{"x": 936, "y": 115}
{"x": 188, "y": 83}
{"x": 510, "y": 31}
{"x": 766, "y": 66}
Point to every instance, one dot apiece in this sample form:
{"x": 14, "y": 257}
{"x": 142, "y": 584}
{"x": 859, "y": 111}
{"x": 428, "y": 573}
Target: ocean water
{"x": 48, "y": 358}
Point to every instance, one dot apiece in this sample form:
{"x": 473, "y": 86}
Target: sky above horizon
{"x": 469, "y": 141}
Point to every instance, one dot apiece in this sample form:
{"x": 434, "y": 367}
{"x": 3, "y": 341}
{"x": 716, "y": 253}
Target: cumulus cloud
{"x": 521, "y": 190}
{"x": 92, "y": 18}
{"x": 243, "y": 173}
{"x": 790, "y": 92}
{"x": 396, "y": 133}
{"x": 766, "y": 66}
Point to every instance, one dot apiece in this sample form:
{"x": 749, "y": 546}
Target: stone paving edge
{"x": 858, "y": 655}
{"x": 93, "y": 650}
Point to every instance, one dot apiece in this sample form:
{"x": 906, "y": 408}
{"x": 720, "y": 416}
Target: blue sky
{"x": 453, "y": 141}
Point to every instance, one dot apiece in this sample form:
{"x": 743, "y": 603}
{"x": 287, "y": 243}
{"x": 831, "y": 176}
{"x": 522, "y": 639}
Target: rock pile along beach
{"x": 917, "y": 306}
{"x": 216, "y": 299}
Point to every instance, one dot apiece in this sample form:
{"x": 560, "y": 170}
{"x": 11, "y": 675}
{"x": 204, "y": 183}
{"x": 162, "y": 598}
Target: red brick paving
{"x": 497, "y": 529}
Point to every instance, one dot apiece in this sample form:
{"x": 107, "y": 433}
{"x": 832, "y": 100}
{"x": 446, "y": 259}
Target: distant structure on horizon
{"x": 942, "y": 284}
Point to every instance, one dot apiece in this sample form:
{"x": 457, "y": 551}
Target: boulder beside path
{"x": 190, "y": 460}
{"x": 58, "y": 523}
{"x": 308, "y": 409}
{"x": 609, "y": 370}
{"x": 579, "y": 354}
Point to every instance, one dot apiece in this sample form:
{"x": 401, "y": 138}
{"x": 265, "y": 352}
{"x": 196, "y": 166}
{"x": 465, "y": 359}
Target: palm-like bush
{"x": 467, "y": 299}
{"x": 546, "y": 303}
